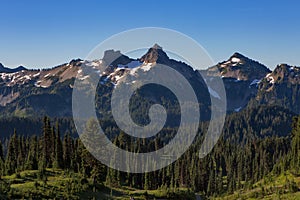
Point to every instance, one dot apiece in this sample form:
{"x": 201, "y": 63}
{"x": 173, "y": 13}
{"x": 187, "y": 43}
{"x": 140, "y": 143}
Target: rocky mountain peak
{"x": 244, "y": 78}
{"x": 281, "y": 87}
{"x": 284, "y": 73}
{"x": 155, "y": 55}
{"x": 239, "y": 67}
{"x": 156, "y": 46}
{"x": 284, "y": 68}
{"x": 75, "y": 62}
{"x": 238, "y": 55}
{"x": 113, "y": 58}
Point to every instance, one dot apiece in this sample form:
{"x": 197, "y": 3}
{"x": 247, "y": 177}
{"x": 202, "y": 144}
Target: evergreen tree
{"x": 32, "y": 157}
{"x": 12, "y": 154}
{"x": 47, "y": 142}
{"x": 58, "y": 160}
{"x": 2, "y": 166}
{"x": 295, "y": 148}
{"x": 1, "y": 151}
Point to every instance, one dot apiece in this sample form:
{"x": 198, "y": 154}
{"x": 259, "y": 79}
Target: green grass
{"x": 270, "y": 188}
{"x": 60, "y": 184}
{"x": 57, "y": 183}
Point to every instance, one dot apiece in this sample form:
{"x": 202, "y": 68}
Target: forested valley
{"x": 55, "y": 164}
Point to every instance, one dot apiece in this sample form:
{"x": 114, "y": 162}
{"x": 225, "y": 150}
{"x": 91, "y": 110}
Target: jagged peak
{"x": 283, "y": 73}
{"x": 285, "y": 68}
{"x": 240, "y": 67}
{"x": 112, "y": 57}
{"x": 75, "y": 62}
{"x": 284, "y": 65}
{"x": 109, "y": 54}
{"x": 155, "y": 55}
{"x": 156, "y": 46}
{"x": 238, "y": 58}
{"x": 238, "y": 55}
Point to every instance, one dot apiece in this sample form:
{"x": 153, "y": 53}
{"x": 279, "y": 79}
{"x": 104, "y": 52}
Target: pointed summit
{"x": 156, "y": 46}
{"x": 239, "y": 67}
{"x": 239, "y": 58}
{"x": 155, "y": 55}
{"x": 238, "y": 55}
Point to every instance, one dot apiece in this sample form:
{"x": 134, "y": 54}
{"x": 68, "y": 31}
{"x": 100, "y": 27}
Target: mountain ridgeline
{"x": 48, "y": 92}
{"x": 8, "y": 70}
{"x": 250, "y": 88}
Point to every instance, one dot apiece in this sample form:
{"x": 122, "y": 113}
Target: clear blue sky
{"x": 40, "y": 34}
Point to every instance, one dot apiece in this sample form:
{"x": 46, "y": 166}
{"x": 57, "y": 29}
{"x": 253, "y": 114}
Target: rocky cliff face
{"x": 241, "y": 76}
{"x": 281, "y": 87}
{"x": 48, "y": 92}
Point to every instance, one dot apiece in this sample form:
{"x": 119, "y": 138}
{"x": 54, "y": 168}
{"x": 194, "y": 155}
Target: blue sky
{"x": 40, "y": 34}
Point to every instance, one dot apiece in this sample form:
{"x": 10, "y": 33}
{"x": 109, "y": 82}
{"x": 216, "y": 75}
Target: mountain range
{"x": 9, "y": 70}
{"x": 248, "y": 83}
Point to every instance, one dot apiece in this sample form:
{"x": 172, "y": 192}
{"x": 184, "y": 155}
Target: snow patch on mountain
{"x": 213, "y": 93}
{"x": 132, "y": 64}
{"x": 146, "y": 67}
{"x": 235, "y": 60}
{"x": 27, "y": 77}
{"x": 37, "y": 74}
{"x": 133, "y": 71}
{"x": 270, "y": 78}
{"x": 94, "y": 64}
{"x": 38, "y": 84}
{"x": 84, "y": 77}
{"x": 47, "y": 75}
{"x": 238, "y": 109}
{"x": 255, "y": 82}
